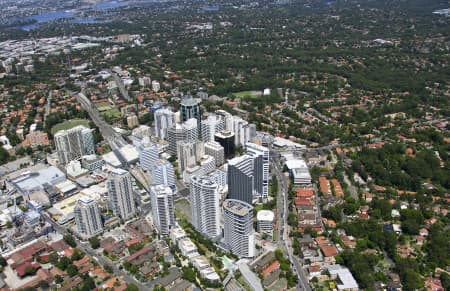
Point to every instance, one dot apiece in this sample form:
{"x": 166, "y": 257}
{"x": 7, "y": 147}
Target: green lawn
{"x": 69, "y": 124}
{"x": 252, "y": 94}
{"x": 115, "y": 113}
{"x": 103, "y": 106}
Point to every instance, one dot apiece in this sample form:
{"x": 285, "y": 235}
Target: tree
{"x": 58, "y": 279}
{"x": 53, "y": 258}
{"x": 70, "y": 240}
{"x": 95, "y": 242}
{"x": 77, "y": 255}
{"x": 43, "y": 284}
{"x": 30, "y": 270}
{"x": 108, "y": 269}
{"x": 88, "y": 284}
{"x": 4, "y": 155}
{"x": 189, "y": 274}
{"x": 63, "y": 263}
{"x": 445, "y": 279}
{"x": 132, "y": 287}
{"x": 71, "y": 270}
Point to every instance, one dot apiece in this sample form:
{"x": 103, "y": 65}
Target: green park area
{"x": 69, "y": 124}
{"x": 111, "y": 115}
{"x": 103, "y": 106}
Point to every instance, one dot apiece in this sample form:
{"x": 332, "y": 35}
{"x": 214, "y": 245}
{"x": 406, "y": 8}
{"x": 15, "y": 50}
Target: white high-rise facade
{"x": 205, "y": 206}
{"x": 189, "y": 153}
{"x": 175, "y": 134}
{"x": 162, "y": 208}
{"x": 211, "y": 125}
{"x": 214, "y": 149}
{"x": 227, "y": 119}
{"x": 148, "y": 154}
{"x": 241, "y": 130}
{"x": 156, "y": 86}
{"x": 121, "y": 194}
{"x": 87, "y": 218}
{"x": 163, "y": 174}
{"x": 261, "y": 168}
{"x": 186, "y": 155}
{"x": 238, "y": 228}
{"x": 164, "y": 119}
{"x": 74, "y": 143}
{"x": 190, "y": 130}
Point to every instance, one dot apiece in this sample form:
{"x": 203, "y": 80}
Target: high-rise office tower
{"x": 87, "y": 217}
{"x": 190, "y": 130}
{"x": 241, "y": 130}
{"x": 205, "y": 206}
{"x": 190, "y": 108}
{"x": 240, "y": 179}
{"x": 186, "y": 155}
{"x": 162, "y": 208}
{"x": 261, "y": 167}
{"x": 214, "y": 149}
{"x": 189, "y": 153}
{"x": 214, "y": 123}
{"x": 226, "y": 139}
{"x": 238, "y": 228}
{"x": 175, "y": 134}
{"x": 148, "y": 154}
{"x": 121, "y": 194}
{"x": 164, "y": 119}
{"x": 74, "y": 143}
{"x": 227, "y": 119}
{"x": 163, "y": 173}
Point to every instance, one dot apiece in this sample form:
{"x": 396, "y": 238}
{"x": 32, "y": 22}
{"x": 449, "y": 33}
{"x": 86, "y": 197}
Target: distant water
{"x": 62, "y": 14}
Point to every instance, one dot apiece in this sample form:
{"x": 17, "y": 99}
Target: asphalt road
{"x": 284, "y": 240}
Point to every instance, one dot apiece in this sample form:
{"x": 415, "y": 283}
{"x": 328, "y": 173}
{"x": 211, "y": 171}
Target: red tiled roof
{"x": 329, "y": 251}
{"x": 299, "y": 201}
{"x": 306, "y": 193}
{"x": 272, "y": 267}
{"x": 313, "y": 269}
{"x": 81, "y": 262}
{"x": 139, "y": 253}
{"x": 21, "y": 269}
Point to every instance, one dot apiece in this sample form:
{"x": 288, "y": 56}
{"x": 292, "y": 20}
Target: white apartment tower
{"x": 87, "y": 218}
{"x": 214, "y": 149}
{"x": 156, "y": 86}
{"x": 241, "y": 130}
{"x": 164, "y": 119}
{"x": 238, "y": 228}
{"x": 175, "y": 134}
{"x": 189, "y": 153}
{"x": 264, "y": 221}
{"x": 261, "y": 168}
{"x": 121, "y": 194}
{"x": 227, "y": 119}
{"x": 163, "y": 174}
{"x": 190, "y": 130}
{"x": 74, "y": 143}
{"x": 205, "y": 206}
{"x": 212, "y": 124}
{"x": 148, "y": 154}
{"x": 162, "y": 208}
